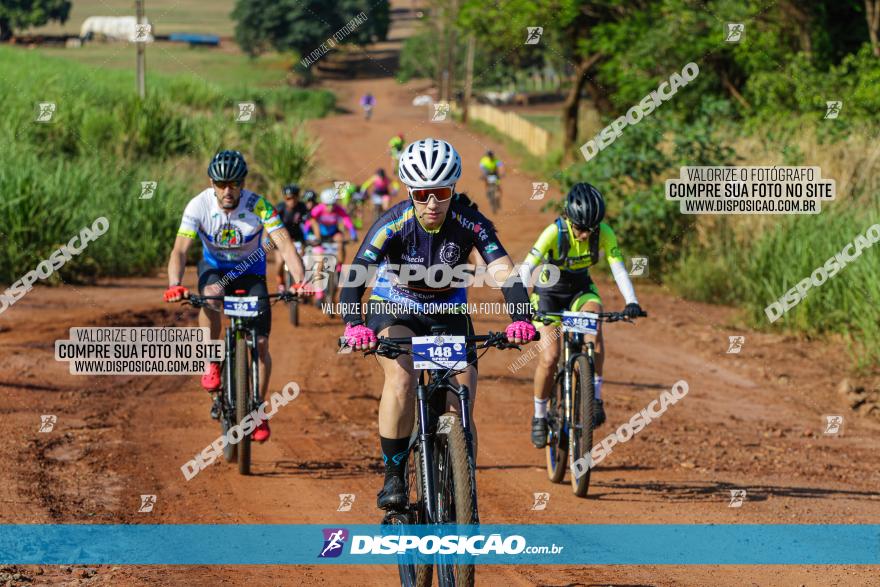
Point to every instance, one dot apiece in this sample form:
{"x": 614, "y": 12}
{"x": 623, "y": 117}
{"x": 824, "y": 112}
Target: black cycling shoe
{"x": 598, "y": 413}
{"x": 539, "y": 432}
{"x": 393, "y": 493}
{"x": 215, "y": 408}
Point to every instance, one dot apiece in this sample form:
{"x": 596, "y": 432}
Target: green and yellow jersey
{"x": 574, "y": 263}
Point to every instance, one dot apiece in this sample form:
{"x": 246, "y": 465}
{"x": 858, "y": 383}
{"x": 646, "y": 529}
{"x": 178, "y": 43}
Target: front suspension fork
{"x": 464, "y": 404}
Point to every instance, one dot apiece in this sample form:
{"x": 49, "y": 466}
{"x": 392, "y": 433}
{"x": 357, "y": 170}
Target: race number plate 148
{"x": 583, "y": 322}
{"x": 240, "y": 306}
{"x": 439, "y": 352}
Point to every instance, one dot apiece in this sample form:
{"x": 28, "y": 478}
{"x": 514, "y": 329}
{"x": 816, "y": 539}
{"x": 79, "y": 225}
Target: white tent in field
{"x": 117, "y": 28}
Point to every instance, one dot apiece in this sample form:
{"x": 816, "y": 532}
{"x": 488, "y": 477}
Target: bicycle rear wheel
{"x": 455, "y": 504}
{"x": 581, "y": 439}
{"x": 493, "y": 201}
{"x": 242, "y": 401}
{"x": 557, "y": 423}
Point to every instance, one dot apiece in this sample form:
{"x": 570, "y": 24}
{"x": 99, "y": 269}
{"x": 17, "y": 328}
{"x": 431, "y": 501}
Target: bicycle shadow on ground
{"x": 664, "y": 491}
{"x": 343, "y": 469}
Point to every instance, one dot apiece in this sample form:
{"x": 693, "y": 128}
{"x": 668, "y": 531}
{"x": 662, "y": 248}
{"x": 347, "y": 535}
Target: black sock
{"x": 394, "y": 452}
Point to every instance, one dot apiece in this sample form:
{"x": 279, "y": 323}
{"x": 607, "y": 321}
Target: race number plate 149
{"x": 240, "y": 306}
{"x": 439, "y": 352}
{"x": 583, "y": 322}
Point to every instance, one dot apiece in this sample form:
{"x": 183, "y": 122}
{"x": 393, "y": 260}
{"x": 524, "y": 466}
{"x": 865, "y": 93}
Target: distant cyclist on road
{"x": 491, "y": 165}
{"x": 396, "y": 145}
{"x": 230, "y": 221}
{"x": 574, "y": 243}
{"x": 435, "y": 226}
{"x": 381, "y": 189}
{"x": 325, "y": 219}
{"x": 293, "y": 214}
{"x": 367, "y": 103}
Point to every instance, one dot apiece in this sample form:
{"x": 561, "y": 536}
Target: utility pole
{"x": 141, "y": 50}
{"x": 468, "y": 77}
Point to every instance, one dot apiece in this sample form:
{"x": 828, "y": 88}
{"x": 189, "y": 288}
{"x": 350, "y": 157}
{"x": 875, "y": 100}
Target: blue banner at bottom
{"x": 627, "y": 544}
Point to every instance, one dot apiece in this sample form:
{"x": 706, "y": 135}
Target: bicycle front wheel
{"x": 414, "y": 575}
{"x": 455, "y": 504}
{"x": 581, "y": 437}
{"x": 242, "y": 401}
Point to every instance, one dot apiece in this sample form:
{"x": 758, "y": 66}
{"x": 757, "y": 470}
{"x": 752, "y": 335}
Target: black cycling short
{"x": 253, "y": 285}
{"x": 379, "y": 317}
{"x": 555, "y": 301}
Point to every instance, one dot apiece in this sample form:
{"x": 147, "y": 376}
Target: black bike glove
{"x": 632, "y": 311}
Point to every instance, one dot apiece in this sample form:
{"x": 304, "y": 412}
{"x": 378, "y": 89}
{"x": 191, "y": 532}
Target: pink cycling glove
{"x": 359, "y": 335}
{"x": 521, "y": 330}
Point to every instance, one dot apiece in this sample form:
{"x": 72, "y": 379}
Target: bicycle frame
{"x": 425, "y": 393}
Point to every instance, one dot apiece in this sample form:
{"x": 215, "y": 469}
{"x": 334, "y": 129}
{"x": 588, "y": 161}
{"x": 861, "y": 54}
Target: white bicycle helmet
{"x": 328, "y": 196}
{"x": 429, "y": 163}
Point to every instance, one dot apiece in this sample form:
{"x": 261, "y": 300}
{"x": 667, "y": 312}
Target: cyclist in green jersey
{"x": 574, "y": 243}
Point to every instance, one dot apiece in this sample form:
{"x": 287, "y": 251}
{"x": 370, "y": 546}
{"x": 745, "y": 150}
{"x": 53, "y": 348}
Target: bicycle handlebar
{"x": 602, "y": 316}
{"x": 198, "y": 301}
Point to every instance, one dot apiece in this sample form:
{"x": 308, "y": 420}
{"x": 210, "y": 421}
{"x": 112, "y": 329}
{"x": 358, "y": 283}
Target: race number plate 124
{"x": 439, "y": 352}
{"x": 245, "y": 307}
{"x": 583, "y": 322}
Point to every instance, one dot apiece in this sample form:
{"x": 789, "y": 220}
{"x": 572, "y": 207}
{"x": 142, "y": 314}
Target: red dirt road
{"x": 751, "y": 420}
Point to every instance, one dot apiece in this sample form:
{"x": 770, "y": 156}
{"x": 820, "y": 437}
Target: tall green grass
{"x": 103, "y": 141}
{"x": 46, "y": 201}
{"x": 757, "y": 272}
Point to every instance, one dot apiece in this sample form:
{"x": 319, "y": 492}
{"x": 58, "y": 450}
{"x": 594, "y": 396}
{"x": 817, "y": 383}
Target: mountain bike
{"x": 440, "y": 443}
{"x": 240, "y": 372}
{"x": 492, "y": 192}
{"x": 570, "y": 411}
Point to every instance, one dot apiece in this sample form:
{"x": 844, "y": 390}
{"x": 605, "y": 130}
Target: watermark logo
{"x": 334, "y": 540}
{"x": 441, "y": 111}
{"x": 45, "y": 111}
{"x": 346, "y": 500}
{"x": 148, "y": 190}
{"x": 56, "y": 260}
{"x": 534, "y": 350}
{"x": 533, "y": 34}
{"x": 638, "y": 267}
{"x": 47, "y": 422}
{"x": 735, "y": 344}
{"x": 833, "y": 425}
{"x": 541, "y": 501}
{"x": 143, "y": 33}
{"x": 340, "y": 188}
{"x": 233, "y": 436}
{"x": 246, "y": 112}
{"x": 665, "y": 91}
{"x": 539, "y": 190}
{"x": 734, "y": 32}
{"x": 832, "y": 109}
{"x": 444, "y": 425}
{"x": 626, "y": 431}
{"x": 832, "y": 266}
{"x": 334, "y": 40}
{"x": 737, "y": 497}
{"x": 147, "y": 503}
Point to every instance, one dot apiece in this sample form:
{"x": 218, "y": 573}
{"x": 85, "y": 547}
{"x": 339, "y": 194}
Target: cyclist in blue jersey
{"x": 230, "y": 221}
{"x": 434, "y": 228}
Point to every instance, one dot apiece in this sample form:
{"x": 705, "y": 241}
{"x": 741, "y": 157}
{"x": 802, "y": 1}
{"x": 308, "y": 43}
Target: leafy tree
{"x": 23, "y": 14}
{"x": 302, "y": 25}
